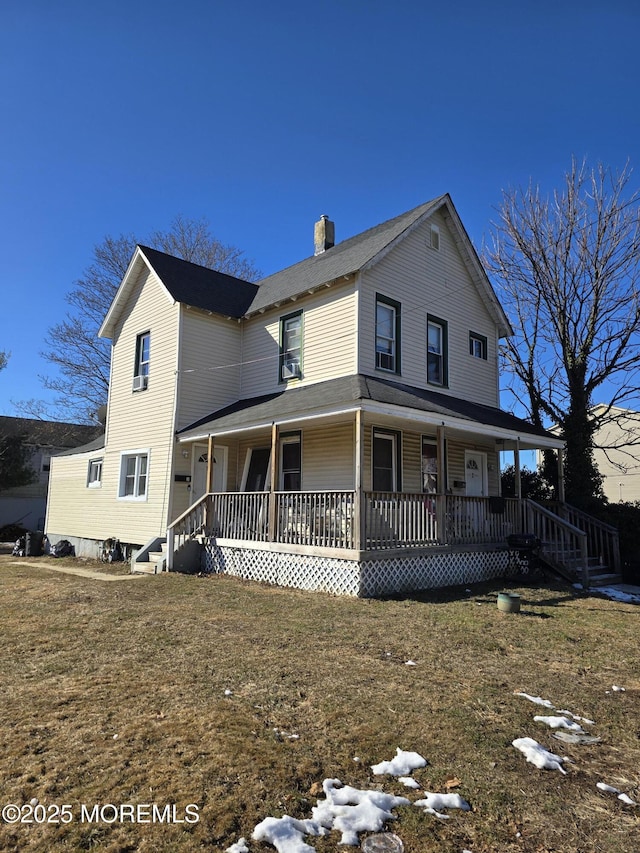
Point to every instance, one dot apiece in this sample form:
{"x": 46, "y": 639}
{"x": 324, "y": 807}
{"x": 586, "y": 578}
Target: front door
{"x": 200, "y": 465}
{"x": 475, "y": 470}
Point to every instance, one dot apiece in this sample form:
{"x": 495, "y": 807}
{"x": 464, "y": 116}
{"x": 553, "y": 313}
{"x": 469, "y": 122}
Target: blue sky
{"x": 260, "y": 117}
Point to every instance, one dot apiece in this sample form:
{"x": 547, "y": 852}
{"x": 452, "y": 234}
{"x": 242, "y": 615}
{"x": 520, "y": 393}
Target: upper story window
{"x": 437, "y": 351}
{"x": 387, "y": 334}
{"x": 141, "y": 370}
{"x": 94, "y": 476}
{"x": 477, "y": 345}
{"x": 290, "y": 347}
{"x": 435, "y": 238}
{"x": 133, "y": 475}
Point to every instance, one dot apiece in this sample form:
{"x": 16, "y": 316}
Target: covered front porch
{"x": 357, "y": 471}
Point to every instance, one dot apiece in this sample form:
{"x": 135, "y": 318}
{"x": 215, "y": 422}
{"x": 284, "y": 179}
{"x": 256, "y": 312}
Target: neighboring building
{"x": 336, "y": 425}
{"x": 26, "y": 505}
{"x": 618, "y": 454}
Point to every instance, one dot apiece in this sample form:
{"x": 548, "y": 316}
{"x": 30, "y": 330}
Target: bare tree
{"x": 4, "y": 358}
{"x": 568, "y": 267}
{"x": 73, "y": 346}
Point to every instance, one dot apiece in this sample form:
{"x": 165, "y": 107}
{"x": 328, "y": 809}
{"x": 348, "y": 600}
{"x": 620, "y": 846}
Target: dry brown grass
{"x": 149, "y": 661}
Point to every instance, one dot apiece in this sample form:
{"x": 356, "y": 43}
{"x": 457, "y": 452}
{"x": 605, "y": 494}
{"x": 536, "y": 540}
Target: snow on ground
{"x": 609, "y": 789}
{"x": 352, "y": 811}
{"x": 536, "y": 754}
{"x": 544, "y": 702}
{"x": 401, "y": 765}
{"x": 627, "y": 596}
{"x": 560, "y": 723}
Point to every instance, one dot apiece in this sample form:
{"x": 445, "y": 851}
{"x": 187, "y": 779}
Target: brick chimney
{"x": 324, "y": 235}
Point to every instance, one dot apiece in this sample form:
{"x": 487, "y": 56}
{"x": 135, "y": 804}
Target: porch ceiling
{"x": 336, "y": 399}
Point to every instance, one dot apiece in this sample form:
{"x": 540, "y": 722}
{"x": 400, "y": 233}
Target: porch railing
{"x": 385, "y": 520}
{"x": 603, "y": 540}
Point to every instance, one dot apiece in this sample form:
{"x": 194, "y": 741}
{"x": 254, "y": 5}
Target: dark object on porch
{"x": 527, "y": 548}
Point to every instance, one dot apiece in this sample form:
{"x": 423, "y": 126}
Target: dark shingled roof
{"x": 97, "y": 444}
{"x": 201, "y": 287}
{"x": 343, "y": 258}
{"x": 352, "y": 389}
{"x": 49, "y": 433}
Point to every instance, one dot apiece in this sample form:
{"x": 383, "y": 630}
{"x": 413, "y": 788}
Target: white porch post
{"x": 442, "y": 486}
{"x": 273, "y": 483}
{"x": 516, "y": 465}
{"x": 358, "y": 513}
{"x": 210, "y": 464}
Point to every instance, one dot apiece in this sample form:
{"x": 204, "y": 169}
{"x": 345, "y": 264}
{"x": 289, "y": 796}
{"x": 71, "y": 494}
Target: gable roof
{"x": 344, "y": 258}
{"x": 229, "y": 296}
{"x": 358, "y": 390}
{"x": 191, "y": 284}
{"x": 364, "y": 250}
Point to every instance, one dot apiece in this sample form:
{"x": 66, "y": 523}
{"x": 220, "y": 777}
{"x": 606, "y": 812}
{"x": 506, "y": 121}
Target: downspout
{"x": 168, "y": 490}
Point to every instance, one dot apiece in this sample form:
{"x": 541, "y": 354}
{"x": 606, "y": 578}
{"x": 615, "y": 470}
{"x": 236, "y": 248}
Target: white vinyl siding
{"x": 209, "y": 377}
{"x": 329, "y": 340}
{"x": 139, "y": 420}
{"x": 432, "y": 282}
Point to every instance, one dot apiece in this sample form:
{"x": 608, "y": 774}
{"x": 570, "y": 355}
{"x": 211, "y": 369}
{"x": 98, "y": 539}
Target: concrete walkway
{"x": 70, "y": 570}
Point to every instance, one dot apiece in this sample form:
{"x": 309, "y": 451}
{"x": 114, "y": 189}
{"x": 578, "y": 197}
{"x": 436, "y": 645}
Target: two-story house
{"x": 335, "y": 426}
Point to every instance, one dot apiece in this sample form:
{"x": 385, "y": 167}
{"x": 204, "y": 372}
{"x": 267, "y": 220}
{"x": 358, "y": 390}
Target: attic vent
{"x": 324, "y": 235}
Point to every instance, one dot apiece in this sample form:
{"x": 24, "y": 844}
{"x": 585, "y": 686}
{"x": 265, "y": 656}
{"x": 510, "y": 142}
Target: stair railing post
{"x": 584, "y": 559}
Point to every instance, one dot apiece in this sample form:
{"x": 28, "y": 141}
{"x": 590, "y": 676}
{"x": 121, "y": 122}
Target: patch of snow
{"x": 560, "y": 723}
{"x": 433, "y": 802}
{"x": 577, "y": 718}
{"x": 239, "y": 847}
{"x": 538, "y": 701}
{"x": 351, "y": 810}
{"x": 617, "y": 689}
{"x": 609, "y": 789}
{"x": 401, "y": 765}
{"x": 410, "y": 663}
{"x": 228, "y": 692}
{"x": 409, "y": 782}
{"x": 619, "y": 595}
{"x": 537, "y": 755}
{"x": 286, "y": 833}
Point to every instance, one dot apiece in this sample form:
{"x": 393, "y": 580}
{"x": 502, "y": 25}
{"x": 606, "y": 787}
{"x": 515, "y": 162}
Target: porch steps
{"x": 569, "y": 563}
{"x": 155, "y": 563}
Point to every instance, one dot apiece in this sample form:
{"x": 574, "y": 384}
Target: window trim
{"x": 137, "y": 455}
{"x": 97, "y": 483}
{"x": 475, "y": 337}
{"x": 432, "y": 320}
{"x": 397, "y": 340}
{"x": 141, "y": 365}
{"x": 281, "y": 359}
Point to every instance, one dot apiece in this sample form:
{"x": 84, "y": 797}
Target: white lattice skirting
{"x": 368, "y": 578}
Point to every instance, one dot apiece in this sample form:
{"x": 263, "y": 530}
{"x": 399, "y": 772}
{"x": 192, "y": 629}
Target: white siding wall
{"x": 136, "y": 421}
{"x": 209, "y": 365}
{"x": 329, "y": 340}
{"x": 426, "y": 281}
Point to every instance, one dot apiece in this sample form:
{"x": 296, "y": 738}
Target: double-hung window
{"x": 141, "y": 368}
{"x": 387, "y": 334}
{"x": 134, "y": 469}
{"x": 477, "y": 345}
{"x": 436, "y": 351}
{"x": 290, "y": 347}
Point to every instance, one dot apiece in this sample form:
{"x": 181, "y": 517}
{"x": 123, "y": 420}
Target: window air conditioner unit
{"x": 140, "y": 383}
{"x": 290, "y": 370}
